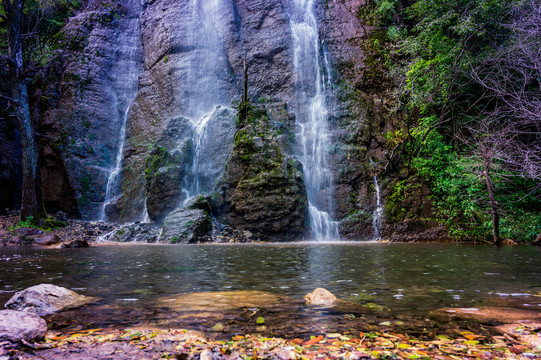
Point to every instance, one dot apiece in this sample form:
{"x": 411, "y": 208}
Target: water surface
{"x": 406, "y": 278}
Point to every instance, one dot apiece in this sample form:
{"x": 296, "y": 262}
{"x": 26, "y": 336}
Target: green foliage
{"x": 47, "y": 223}
{"x": 379, "y": 12}
{"x": 431, "y": 54}
{"x": 30, "y": 222}
{"x": 46, "y": 18}
{"x": 158, "y": 158}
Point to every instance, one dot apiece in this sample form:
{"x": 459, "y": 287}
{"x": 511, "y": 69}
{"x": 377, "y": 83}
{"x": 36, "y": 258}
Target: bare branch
{"x": 8, "y": 98}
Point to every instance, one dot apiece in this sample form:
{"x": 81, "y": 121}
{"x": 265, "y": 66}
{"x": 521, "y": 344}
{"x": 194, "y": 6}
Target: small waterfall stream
{"x": 378, "y": 212}
{"x": 126, "y": 76}
{"x": 114, "y": 181}
{"x": 312, "y": 113}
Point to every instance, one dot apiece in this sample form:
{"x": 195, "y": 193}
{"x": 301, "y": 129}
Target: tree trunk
{"x": 492, "y": 201}
{"x": 30, "y": 199}
{"x": 538, "y": 240}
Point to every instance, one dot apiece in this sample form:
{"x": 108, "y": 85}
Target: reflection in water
{"x": 410, "y": 279}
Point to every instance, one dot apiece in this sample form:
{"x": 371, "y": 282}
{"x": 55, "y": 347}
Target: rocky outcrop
{"x": 262, "y": 189}
{"x": 174, "y": 37}
{"x": 46, "y": 299}
{"x": 186, "y": 226}
{"x": 20, "y": 325}
{"x": 186, "y": 160}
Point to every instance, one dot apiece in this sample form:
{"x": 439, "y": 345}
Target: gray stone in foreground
{"x": 19, "y": 325}
{"x": 46, "y": 299}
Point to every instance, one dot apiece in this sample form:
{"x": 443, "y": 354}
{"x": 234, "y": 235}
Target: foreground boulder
{"x": 323, "y": 298}
{"x": 46, "y": 299}
{"x": 19, "y": 325}
{"x": 320, "y": 297}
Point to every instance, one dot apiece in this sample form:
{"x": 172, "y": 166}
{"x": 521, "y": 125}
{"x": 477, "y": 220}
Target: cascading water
{"x": 114, "y": 181}
{"x": 311, "y": 113}
{"x": 126, "y": 75}
{"x": 206, "y": 87}
{"x": 194, "y": 187}
{"x": 378, "y": 212}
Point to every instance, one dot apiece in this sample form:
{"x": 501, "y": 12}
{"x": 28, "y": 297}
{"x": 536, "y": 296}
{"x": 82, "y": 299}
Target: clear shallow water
{"x": 403, "y": 277}
{"x": 407, "y": 278}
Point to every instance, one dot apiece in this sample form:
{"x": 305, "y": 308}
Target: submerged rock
{"x": 20, "y": 325}
{"x": 46, "y": 299}
{"x": 487, "y": 315}
{"x": 186, "y": 226}
{"x": 321, "y": 297}
{"x": 219, "y": 301}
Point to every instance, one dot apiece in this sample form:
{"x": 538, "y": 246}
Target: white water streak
{"x": 312, "y": 113}
{"x": 378, "y": 212}
{"x": 129, "y": 73}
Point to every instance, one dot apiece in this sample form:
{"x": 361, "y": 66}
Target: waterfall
{"x": 206, "y": 89}
{"x": 312, "y": 129}
{"x": 378, "y": 212}
{"x": 126, "y": 76}
{"x": 114, "y": 181}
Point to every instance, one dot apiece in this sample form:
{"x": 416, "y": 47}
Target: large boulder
{"x": 262, "y": 188}
{"x": 164, "y": 191}
{"x": 186, "y": 226}
{"x": 46, "y": 299}
{"x": 20, "y": 325}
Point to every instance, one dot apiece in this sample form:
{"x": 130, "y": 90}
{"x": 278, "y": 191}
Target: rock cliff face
{"x": 81, "y": 109}
{"x": 10, "y": 166}
{"x": 175, "y": 68}
{"x": 255, "y": 32}
{"x": 358, "y": 128}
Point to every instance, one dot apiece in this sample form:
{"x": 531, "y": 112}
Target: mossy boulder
{"x": 262, "y": 189}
